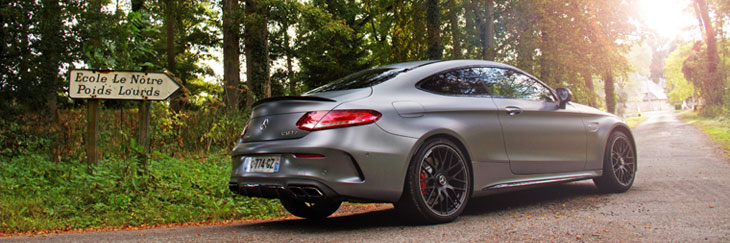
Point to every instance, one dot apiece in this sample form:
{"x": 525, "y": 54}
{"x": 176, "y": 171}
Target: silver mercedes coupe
{"x": 426, "y": 136}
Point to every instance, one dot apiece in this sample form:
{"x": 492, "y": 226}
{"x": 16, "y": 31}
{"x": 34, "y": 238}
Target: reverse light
{"x": 320, "y": 120}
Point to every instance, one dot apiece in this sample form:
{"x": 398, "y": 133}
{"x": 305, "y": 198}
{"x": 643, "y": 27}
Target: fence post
{"x": 92, "y": 128}
{"x": 143, "y": 136}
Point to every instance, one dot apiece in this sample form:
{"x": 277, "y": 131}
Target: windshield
{"x": 360, "y": 79}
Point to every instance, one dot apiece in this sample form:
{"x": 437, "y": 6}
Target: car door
{"x": 466, "y": 107}
{"x": 539, "y": 137}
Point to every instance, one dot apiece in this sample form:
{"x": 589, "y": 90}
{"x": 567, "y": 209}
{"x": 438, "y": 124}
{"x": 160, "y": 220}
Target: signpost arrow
{"x": 121, "y": 85}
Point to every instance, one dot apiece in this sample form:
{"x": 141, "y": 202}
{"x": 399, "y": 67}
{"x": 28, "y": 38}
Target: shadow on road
{"x": 556, "y": 197}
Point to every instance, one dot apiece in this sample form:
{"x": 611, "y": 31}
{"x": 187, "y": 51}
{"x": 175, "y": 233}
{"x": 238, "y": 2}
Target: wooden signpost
{"x": 119, "y": 85}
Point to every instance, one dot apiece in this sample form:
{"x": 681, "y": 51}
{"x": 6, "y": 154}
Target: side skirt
{"x": 532, "y": 181}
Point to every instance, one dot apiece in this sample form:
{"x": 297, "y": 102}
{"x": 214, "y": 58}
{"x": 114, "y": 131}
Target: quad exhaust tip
{"x": 306, "y": 192}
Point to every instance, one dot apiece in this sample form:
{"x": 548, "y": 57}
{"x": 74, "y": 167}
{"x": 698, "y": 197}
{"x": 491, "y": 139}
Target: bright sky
{"x": 670, "y": 18}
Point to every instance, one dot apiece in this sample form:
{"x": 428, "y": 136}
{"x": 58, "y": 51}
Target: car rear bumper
{"x": 361, "y": 163}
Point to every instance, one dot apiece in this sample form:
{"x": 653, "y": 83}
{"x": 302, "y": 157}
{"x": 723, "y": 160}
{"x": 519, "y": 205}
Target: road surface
{"x": 681, "y": 193}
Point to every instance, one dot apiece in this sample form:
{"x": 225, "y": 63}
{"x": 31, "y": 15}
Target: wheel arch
{"x": 444, "y": 134}
{"x": 626, "y": 130}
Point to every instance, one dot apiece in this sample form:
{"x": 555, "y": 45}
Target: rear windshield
{"x": 360, "y": 79}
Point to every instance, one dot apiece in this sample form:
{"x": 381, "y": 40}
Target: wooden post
{"x": 92, "y": 128}
{"x": 143, "y": 136}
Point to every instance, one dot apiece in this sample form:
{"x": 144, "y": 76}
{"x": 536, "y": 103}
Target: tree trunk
{"x": 711, "y": 41}
{"x": 699, "y": 20}
{"x": 170, "y": 34}
{"x": 713, "y": 82}
{"x": 588, "y": 79}
{"x": 455, "y": 35}
{"x": 486, "y": 31}
{"x": 51, "y": 28}
{"x": 471, "y": 17}
{"x": 257, "y": 51}
{"x": 545, "y": 70}
{"x": 175, "y": 102}
{"x": 610, "y": 94}
{"x": 231, "y": 55}
{"x": 289, "y": 68}
{"x": 433, "y": 30}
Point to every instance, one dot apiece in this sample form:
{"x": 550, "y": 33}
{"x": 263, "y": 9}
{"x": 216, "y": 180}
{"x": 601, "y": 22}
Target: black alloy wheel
{"x": 619, "y": 165}
{"x": 438, "y": 183}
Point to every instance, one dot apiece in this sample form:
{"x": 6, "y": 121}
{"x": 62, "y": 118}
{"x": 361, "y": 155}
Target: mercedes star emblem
{"x": 264, "y": 124}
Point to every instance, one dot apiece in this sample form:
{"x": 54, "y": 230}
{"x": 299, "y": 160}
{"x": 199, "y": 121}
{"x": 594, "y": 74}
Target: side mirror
{"x": 564, "y": 96}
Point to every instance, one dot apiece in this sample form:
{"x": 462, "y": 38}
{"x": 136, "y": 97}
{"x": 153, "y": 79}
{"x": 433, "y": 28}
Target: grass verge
{"x": 717, "y": 128}
{"x": 38, "y": 195}
{"x": 634, "y": 121}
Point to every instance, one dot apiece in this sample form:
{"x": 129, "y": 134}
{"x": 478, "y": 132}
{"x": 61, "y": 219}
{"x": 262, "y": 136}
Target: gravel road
{"x": 681, "y": 193}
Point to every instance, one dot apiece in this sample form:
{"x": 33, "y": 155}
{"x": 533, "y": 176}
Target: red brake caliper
{"x": 423, "y": 183}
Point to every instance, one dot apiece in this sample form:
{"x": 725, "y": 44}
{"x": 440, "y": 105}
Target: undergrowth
{"x": 46, "y": 184}
{"x": 634, "y": 121}
{"x": 39, "y": 194}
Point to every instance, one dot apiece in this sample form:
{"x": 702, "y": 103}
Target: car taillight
{"x": 308, "y": 156}
{"x": 320, "y": 120}
{"x": 245, "y": 128}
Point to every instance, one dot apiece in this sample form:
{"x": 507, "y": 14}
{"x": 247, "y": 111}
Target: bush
{"x": 188, "y": 134}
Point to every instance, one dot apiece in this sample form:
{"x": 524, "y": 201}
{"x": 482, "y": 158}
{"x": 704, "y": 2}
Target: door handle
{"x": 513, "y": 111}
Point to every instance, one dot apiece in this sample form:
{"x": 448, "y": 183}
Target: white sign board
{"x": 120, "y": 85}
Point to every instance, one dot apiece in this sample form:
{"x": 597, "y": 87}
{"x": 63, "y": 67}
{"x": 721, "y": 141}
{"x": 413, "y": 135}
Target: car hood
{"x": 588, "y": 110}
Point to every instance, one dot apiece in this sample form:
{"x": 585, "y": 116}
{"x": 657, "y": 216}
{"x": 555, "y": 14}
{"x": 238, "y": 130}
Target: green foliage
{"x": 33, "y": 51}
{"x": 197, "y": 31}
{"x": 286, "y": 14}
{"x": 401, "y": 33}
{"x": 634, "y": 121}
{"x": 332, "y": 42}
{"x": 688, "y": 76}
{"x": 185, "y": 134}
{"x": 129, "y": 48}
{"x": 43, "y": 184}
{"x": 679, "y": 88}
{"x": 564, "y": 41}
{"x": 14, "y": 140}
{"x": 203, "y": 92}
{"x": 37, "y": 194}
{"x": 195, "y": 132}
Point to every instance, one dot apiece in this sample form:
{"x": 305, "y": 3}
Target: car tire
{"x": 619, "y": 164}
{"x": 438, "y": 183}
{"x": 311, "y": 210}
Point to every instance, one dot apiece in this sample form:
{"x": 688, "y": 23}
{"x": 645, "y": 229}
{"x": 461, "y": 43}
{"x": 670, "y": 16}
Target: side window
{"x": 462, "y": 82}
{"x": 533, "y": 90}
{"x": 512, "y": 84}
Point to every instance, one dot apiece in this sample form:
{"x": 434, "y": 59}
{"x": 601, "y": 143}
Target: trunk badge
{"x": 264, "y": 124}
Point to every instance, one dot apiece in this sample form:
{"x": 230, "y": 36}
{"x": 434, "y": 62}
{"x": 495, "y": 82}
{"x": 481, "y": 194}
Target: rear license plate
{"x": 265, "y": 164}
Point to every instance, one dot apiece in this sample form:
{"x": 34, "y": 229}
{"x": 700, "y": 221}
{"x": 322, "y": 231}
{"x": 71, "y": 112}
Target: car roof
{"x": 416, "y": 71}
{"x": 409, "y": 65}
{"x": 458, "y": 62}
